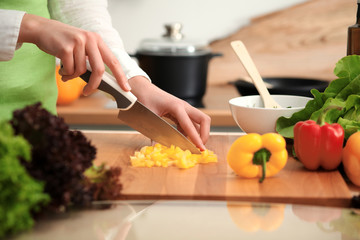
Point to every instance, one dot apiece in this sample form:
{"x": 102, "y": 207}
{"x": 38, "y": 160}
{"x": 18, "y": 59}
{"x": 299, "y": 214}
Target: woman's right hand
{"x": 73, "y": 46}
{"x": 190, "y": 121}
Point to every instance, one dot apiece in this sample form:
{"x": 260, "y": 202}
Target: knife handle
{"x": 108, "y": 84}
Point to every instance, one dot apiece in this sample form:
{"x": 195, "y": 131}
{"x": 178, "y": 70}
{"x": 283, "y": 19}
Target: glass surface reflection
{"x": 344, "y": 221}
{"x": 134, "y": 220}
{"x": 253, "y": 217}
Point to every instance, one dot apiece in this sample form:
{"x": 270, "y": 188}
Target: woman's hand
{"x": 190, "y": 121}
{"x": 72, "y": 46}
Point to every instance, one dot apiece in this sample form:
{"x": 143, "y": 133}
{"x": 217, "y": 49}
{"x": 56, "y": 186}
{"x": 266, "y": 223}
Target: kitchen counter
{"x": 98, "y": 110}
{"x": 207, "y": 201}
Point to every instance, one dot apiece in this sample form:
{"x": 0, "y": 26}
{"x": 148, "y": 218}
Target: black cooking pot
{"x": 175, "y": 65}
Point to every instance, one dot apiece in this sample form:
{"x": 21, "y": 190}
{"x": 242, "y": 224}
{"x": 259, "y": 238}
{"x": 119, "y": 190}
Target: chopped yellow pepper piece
{"x": 162, "y": 156}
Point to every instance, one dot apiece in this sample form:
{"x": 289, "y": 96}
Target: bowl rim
{"x": 268, "y": 109}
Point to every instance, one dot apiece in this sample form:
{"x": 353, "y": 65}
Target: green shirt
{"x": 29, "y": 77}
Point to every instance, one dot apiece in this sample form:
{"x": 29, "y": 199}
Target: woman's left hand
{"x": 72, "y": 46}
{"x": 189, "y": 120}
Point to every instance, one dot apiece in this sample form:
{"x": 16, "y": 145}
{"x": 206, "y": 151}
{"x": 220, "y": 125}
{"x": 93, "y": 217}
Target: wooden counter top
{"x": 94, "y": 110}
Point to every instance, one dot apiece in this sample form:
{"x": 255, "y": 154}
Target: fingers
{"x": 97, "y": 66}
{"x": 67, "y": 60}
{"x": 88, "y": 45}
{"x": 190, "y": 130}
{"x": 113, "y": 63}
{"x": 98, "y": 54}
{"x": 194, "y": 123}
{"x": 80, "y": 58}
{"x": 201, "y": 121}
{"x": 77, "y": 54}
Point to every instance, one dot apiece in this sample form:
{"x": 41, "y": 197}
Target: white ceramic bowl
{"x": 251, "y": 116}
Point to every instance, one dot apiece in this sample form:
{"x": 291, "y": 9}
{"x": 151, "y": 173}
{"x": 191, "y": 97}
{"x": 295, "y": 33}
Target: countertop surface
{"x": 98, "y": 109}
{"x": 258, "y": 213}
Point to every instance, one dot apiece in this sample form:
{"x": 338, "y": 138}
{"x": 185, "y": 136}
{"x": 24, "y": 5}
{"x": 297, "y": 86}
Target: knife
{"x": 139, "y": 117}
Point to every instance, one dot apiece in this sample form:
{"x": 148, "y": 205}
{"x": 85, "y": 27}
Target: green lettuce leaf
{"x": 339, "y": 102}
{"x": 285, "y": 126}
{"x": 348, "y": 67}
{"x": 330, "y": 112}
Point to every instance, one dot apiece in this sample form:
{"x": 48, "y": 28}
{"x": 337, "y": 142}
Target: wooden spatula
{"x": 251, "y": 69}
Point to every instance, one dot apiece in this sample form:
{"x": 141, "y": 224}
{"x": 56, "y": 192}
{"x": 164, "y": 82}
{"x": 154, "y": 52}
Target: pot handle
{"x": 133, "y": 55}
{"x": 216, "y": 55}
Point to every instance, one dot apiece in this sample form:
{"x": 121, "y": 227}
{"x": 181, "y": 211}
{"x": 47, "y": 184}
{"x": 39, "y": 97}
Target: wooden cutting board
{"x": 216, "y": 181}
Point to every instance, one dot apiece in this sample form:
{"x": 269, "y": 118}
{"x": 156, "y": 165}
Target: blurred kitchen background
{"x": 302, "y": 38}
{"x": 202, "y": 19}
{"x": 286, "y": 39}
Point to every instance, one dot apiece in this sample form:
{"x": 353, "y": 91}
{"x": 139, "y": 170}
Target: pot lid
{"x": 173, "y": 42}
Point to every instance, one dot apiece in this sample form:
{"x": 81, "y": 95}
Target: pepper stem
{"x": 263, "y": 171}
{"x": 260, "y": 158}
{"x": 321, "y": 119}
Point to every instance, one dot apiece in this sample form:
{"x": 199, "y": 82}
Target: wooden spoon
{"x": 251, "y": 69}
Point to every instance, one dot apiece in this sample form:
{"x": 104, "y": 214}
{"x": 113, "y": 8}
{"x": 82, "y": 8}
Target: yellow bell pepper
{"x": 255, "y": 155}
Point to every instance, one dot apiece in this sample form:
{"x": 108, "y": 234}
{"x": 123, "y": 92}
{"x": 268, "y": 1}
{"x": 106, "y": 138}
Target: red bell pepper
{"x": 318, "y": 145}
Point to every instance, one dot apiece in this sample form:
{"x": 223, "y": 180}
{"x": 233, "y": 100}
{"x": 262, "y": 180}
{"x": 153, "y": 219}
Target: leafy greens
{"x": 339, "y": 103}
{"x": 20, "y": 193}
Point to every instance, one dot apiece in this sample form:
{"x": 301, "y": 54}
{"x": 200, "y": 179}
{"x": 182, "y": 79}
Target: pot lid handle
{"x": 173, "y": 31}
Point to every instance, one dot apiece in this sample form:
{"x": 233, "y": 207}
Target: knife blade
{"x": 140, "y": 118}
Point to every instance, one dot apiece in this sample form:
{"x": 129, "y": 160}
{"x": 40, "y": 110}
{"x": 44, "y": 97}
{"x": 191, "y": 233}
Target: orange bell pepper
{"x": 68, "y": 91}
{"x": 351, "y": 158}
